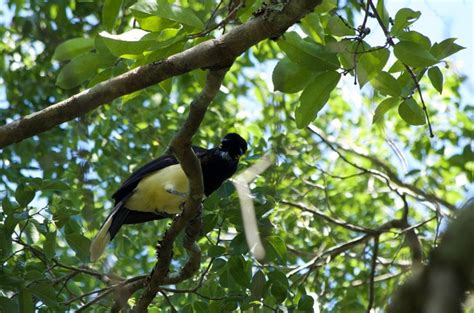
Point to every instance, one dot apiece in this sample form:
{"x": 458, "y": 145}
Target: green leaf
{"x": 411, "y": 112}
{"x": 306, "y": 303}
{"x": 72, "y": 48}
{"x": 445, "y": 48}
{"x": 370, "y": 64}
{"x": 49, "y": 244}
{"x": 218, "y": 264}
{"x": 383, "y": 108}
{"x": 308, "y": 54}
{"x": 54, "y": 184}
{"x": 163, "y": 9}
{"x": 167, "y": 85}
{"x": 416, "y": 37}
{"x": 155, "y": 23}
{"x": 386, "y": 84}
{"x": 325, "y": 6}
{"x": 79, "y": 244}
{"x": 9, "y": 224}
{"x": 278, "y": 246}
{"x": 110, "y": 12}
{"x": 33, "y": 275}
{"x": 315, "y": 96}
{"x": 25, "y": 299}
{"x": 436, "y": 78}
{"x": 382, "y": 11}
{"x": 406, "y": 80}
{"x": 226, "y": 189}
{"x": 259, "y": 285}
{"x": 414, "y": 54}
{"x": 290, "y": 77}
{"x": 246, "y": 11}
{"x": 216, "y": 251}
{"x": 5, "y": 244}
{"x": 209, "y": 222}
{"x": 278, "y": 277}
{"x": 132, "y": 42}
{"x": 230, "y": 305}
{"x": 238, "y": 245}
{"x": 397, "y": 67}
{"x": 8, "y": 305}
{"x": 10, "y": 281}
{"x": 24, "y": 194}
{"x": 345, "y": 52}
{"x": 225, "y": 279}
{"x": 279, "y": 292}
{"x": 45, "y": 292}
{"x": 338, "y": 27}
{"x": 238, "y": 271}
{"x": 404, "y": 18}
{"x": 7, "y": 205}
{"x": 200, "y": 306}
{"x": 102, "y": 48}
{"x": 311, "y": 25}
{"x": 80, "y": 69}
{"x": 136, "y": 41}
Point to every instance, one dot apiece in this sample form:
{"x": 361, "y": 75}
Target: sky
{"x": 441, "y": 19}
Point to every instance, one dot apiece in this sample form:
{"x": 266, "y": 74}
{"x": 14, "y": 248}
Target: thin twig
{"x": 95, "y": 300}
{"x": 329, "y": 219}
{"x": 173, "y": 309}
{"x": 218, "y": 25}
{"x": 409, "y": 70}
{"x": 375, "y": 251}
{"x": 388, "y": 176}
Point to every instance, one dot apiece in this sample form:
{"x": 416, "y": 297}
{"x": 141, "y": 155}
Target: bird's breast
{"x": 161, "y": 191}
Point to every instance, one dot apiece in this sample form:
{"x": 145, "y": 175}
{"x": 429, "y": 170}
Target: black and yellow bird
{"x": 157, "y": 189}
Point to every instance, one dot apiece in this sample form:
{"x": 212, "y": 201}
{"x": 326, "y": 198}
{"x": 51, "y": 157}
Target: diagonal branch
{"x": 442, "y": 285}
{"x": 316, "y": 212}
{"x": 388, "y": 175}
{"x": 190, "y": 219}
{"x": 213, "y": 53}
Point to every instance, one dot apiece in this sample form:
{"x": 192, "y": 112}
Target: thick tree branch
{"x": 190, "y": 218}
{"x": 441, "y": 285}
{"x": 215, "y": 53}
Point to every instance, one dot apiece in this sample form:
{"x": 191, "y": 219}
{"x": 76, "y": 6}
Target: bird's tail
{"x": 108, "y": 230}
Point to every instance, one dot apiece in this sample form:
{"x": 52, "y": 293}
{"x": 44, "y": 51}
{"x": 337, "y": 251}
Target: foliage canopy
{"x": 358, "y": 191}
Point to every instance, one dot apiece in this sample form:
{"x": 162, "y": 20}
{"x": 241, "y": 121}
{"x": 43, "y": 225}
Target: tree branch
{"x": 442, "y": 284}
{"x": 409, "y": 69}
{"x": 388, "y": 176}
{"x": 316, "y": 212}
{"x": 214, "y": 53}
{"x": 190, "y": 218}
{"x": 373, "y": 268}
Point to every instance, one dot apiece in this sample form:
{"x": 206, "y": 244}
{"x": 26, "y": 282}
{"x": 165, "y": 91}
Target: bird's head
{"x": 234, "y": 145}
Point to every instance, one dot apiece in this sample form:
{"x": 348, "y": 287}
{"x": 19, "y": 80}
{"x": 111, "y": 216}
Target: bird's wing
{"x": 130, "y": 183}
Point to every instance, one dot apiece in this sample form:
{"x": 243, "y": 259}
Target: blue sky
{"x": 441, "y": 19}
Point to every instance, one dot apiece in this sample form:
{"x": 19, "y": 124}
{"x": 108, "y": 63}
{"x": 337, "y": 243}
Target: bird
{"x": 157, "y": 189}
